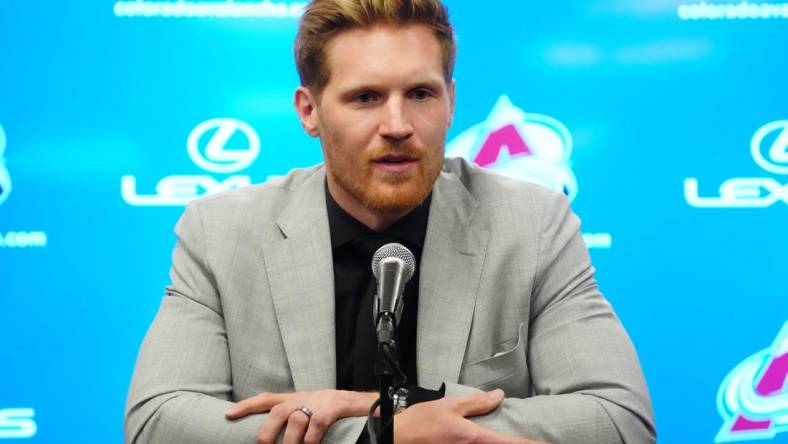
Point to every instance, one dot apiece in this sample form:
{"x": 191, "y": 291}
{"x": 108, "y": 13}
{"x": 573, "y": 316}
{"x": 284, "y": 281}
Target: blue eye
{"x": 421, "y": 94}
{"x": 365, "y": 97}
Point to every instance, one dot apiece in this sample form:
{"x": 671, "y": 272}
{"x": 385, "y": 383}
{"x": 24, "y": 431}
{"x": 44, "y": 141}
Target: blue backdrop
{"x": 665, "y": 122}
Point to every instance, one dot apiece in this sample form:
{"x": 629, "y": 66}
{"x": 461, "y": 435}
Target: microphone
{"x": 393, "y": 266}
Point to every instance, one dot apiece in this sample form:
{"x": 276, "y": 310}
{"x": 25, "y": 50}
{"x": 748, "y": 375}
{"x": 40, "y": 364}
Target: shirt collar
{"x": 344, "y": 228}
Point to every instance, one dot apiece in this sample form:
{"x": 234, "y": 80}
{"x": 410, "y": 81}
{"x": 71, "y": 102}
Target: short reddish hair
{"x": 322, "y": 19}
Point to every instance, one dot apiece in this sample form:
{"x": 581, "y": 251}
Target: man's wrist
{"x": 361, "y": 402}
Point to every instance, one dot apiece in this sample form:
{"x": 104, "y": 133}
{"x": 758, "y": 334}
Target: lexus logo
{"x": 771, "y": 153}
{"x": 208, "y": 145}
{"x": 221, "y": 145}
{"x": 769, "y": 149}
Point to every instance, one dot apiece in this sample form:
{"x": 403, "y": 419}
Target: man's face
{"x": 383, "y": 116}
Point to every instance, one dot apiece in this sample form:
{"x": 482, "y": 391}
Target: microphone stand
{"x": 386, "y": 369}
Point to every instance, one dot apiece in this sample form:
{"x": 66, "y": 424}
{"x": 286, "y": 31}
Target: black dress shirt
{"x": 353, "y": 244}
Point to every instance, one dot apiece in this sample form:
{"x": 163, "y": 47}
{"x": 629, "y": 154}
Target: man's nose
{"x": 395, "y": 123}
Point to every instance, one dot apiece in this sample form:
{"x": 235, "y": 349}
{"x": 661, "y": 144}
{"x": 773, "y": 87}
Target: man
{"x": 258, "y": 337}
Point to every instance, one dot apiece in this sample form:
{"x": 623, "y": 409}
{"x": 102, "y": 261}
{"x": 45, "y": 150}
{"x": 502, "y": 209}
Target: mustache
{"x": 405, "y": 150}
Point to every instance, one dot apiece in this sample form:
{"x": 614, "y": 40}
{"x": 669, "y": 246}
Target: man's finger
{"x": 318, "y": 425}
{"x": 478, "y": 404}
{"x": 297, "y": 423}
{"x": 256, "y": 404}
{"x": 273, "y": 424}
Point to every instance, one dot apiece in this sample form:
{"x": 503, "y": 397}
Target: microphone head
{"x": 396, "y": 251}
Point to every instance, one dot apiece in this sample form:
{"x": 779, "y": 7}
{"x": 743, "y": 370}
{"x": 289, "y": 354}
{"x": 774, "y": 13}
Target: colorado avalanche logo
{"x": 5, "y": 179}
{"x": 753, "y": 398}
{"x": 531, "y": 147}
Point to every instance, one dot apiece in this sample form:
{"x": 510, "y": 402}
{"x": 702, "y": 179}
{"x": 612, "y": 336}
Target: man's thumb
{"x": 481, "y": 403}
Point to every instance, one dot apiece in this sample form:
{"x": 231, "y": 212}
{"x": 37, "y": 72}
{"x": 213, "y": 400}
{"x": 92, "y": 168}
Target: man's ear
{"x": 451, "y": 101}
{"x": 306, "y": 107}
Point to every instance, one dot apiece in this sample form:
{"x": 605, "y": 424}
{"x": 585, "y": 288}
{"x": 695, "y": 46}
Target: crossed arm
{"x": 198, "y": 410}
{"x": 443, "y": 420}
{"x": 586, "y": 380}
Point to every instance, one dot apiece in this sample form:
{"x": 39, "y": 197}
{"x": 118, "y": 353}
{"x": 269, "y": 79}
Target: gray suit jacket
{"x": 507, "y": 299}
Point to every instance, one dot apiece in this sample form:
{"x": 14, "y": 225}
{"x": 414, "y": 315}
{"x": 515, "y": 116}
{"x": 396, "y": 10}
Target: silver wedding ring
{"x": 305, "y": 411}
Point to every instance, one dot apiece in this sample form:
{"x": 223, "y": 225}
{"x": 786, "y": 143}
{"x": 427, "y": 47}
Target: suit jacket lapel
{"x": 452, "y": 260}
{"x": 300, "y": 273}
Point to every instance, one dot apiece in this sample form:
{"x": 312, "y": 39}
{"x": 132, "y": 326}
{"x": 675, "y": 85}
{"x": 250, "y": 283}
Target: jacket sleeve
{"x": 182, "y": 382}
{"x": 586, "y": 381}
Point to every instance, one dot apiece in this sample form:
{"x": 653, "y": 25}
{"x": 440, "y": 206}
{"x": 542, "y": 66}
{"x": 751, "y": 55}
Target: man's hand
{"x": 444, "y": 421}
{"x": 327, "y": 406}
